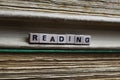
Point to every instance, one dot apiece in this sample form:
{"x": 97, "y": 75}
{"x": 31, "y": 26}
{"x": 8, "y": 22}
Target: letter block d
{"x": 62, "y": 39}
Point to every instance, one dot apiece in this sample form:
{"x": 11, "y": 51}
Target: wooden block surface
{"x": 83, "y": 7}
{"x": 60, "y": 66}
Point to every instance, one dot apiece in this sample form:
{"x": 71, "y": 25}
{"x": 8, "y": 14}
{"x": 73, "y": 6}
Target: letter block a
{"x": 34, "y": 38}
{"x": 53, "y": 38}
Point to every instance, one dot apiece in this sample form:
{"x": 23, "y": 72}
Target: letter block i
{"x": 70, "y": 39}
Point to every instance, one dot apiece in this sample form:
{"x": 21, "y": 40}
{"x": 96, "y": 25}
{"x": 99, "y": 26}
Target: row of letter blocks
{"x": 59, "y": 38}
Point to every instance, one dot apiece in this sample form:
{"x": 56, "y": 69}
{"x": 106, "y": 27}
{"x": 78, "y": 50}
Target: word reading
{"x": 59, "y": 38}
